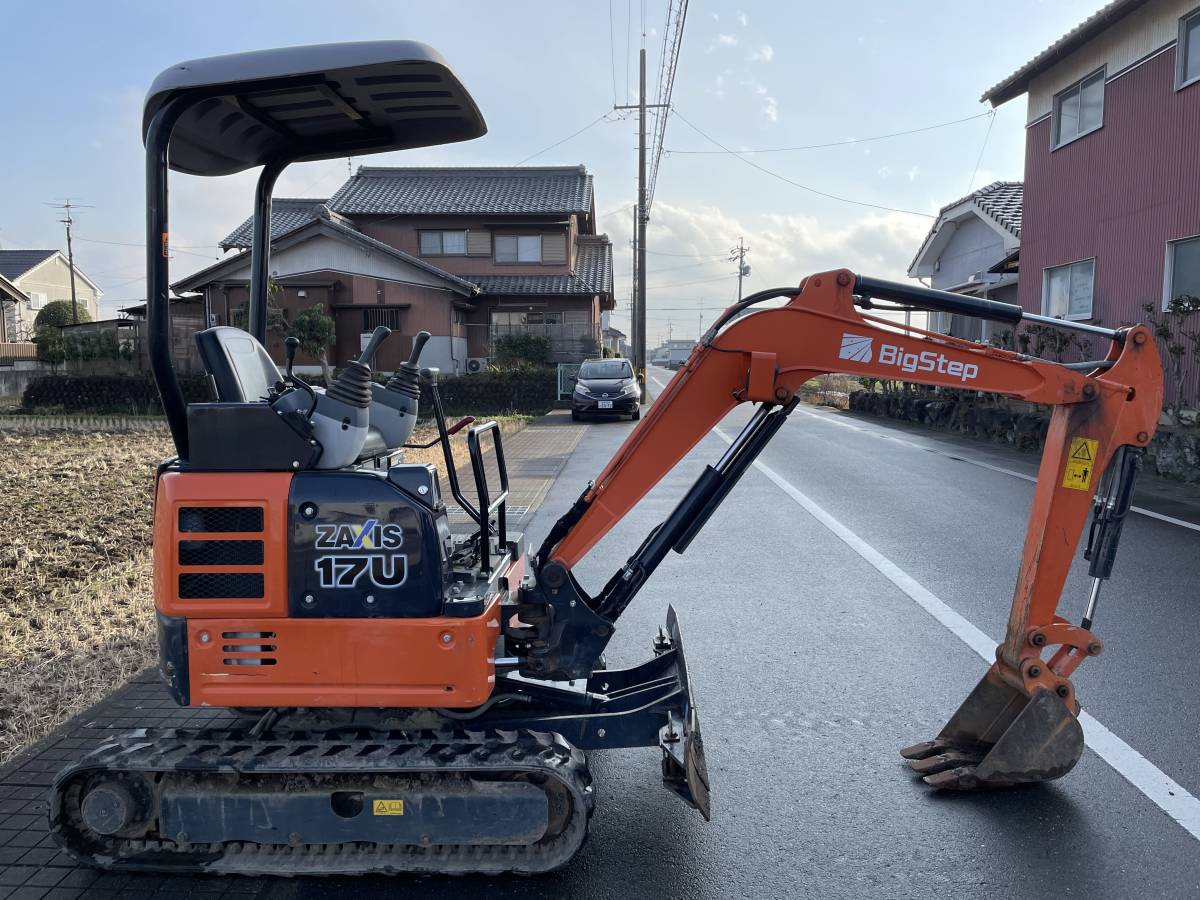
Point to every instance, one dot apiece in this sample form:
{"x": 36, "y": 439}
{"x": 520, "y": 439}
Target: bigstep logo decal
{"x": 858, "y": 348}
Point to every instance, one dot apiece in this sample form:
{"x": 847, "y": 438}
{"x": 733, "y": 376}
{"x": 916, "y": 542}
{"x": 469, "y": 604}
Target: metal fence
{"x": 569, "y": 343}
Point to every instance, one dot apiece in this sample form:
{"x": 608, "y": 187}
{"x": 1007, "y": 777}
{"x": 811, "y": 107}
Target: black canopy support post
{"x": 260, "y": 250}
{"x": 158, "y": 307}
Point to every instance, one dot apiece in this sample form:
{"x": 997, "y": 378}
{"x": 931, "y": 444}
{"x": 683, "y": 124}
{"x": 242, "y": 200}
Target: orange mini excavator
{"x": 412, "y": 700}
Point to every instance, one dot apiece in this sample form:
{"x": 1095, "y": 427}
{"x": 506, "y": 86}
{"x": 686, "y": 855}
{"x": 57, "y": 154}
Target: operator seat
{"x": 240, "y": 368}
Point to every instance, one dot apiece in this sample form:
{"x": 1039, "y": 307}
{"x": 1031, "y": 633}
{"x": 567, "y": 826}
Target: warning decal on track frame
{"x": 1080, "y": 462}
{"x": 387, "y": 807}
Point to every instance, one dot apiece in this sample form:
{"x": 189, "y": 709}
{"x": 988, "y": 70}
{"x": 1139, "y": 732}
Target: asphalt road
{"x": 811, "y": 669}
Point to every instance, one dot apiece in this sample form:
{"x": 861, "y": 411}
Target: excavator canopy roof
{"x": 315, "y": 102}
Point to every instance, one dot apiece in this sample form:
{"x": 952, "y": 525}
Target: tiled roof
{"x": 593, "y": 274}
{"x": 512, "y": 190}
{"x": 1018, "y": 82}
{"x": 286, "y": 214}
{"x": 15, "y": 263}
{"x": 1000, "y": 201}
{"x": 1003, "y": 200}
{"x": 332, "y": 224}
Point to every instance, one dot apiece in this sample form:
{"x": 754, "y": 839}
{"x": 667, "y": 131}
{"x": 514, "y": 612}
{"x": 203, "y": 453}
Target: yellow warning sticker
{"x": 388, "y": 808}
{"x": 1080, "y": 462}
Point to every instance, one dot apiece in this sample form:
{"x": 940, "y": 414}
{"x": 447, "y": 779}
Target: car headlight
{"x": 632, "y": 390}
{"x": 581, "y": 392}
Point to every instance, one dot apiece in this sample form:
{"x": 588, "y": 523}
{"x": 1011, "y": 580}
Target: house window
{"x": 518, "y": 248}
{"x": 1183, "y": 270}
{"x": 36, "y": 300}
{"x": 1079, "y": 109}
{"x": 537, "y": 317}
{"x": 373, "y": 318}
{"x": 1187, "y": 51}
{"x": 1067, "y": 290}
{"x": 443, "y": 243}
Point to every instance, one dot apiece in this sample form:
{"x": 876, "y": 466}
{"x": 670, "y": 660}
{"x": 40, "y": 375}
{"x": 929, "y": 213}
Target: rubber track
{"x": 339, "y": 751}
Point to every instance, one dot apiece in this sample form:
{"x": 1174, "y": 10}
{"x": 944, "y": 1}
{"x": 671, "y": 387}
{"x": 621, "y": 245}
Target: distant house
{"x": 40, "y": 277}
{"x": 1112, "y": 165}
{"x": 469, "y": 254}
{"x": 972, "y": 249}
{"x": 614, "y": 340}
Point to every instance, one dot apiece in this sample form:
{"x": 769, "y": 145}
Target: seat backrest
{"x": 238, "y": 364}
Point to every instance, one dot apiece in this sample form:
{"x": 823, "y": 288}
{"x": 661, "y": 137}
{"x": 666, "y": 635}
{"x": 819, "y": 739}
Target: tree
{"x": 520, "y": 348}
{"x": 316, "y": 331}
{"x": 51, "y": 347}
{"x": 57, "y": 314}
{"x": 1170, "y": 329}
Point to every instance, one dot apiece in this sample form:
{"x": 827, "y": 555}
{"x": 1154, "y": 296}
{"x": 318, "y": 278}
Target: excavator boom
{"x": 1020, "y": 723}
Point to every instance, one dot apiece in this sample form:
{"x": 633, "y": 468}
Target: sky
{"x": 751, "y": 76}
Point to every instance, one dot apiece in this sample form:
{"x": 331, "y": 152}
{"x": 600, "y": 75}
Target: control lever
{"x": 378, "y": 336}
{"x": 1110, "y": 506}
{"x": 290, "y": 346}
{"x": 419, "y": 343}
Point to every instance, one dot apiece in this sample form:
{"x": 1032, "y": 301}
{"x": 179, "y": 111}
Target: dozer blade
{"x": 999, "y": 737}
{"x": 683, "y": 766}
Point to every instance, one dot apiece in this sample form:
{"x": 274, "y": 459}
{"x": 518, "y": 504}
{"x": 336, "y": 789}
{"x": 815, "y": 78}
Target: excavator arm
{"x": 1019, "y": 724}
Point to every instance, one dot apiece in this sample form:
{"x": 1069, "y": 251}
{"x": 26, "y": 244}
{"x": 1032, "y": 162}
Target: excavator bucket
{"x": 999, "y": 737}
{"x": 683, "y": 766}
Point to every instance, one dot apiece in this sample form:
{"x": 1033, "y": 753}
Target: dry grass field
{"x": 76, "y": 604}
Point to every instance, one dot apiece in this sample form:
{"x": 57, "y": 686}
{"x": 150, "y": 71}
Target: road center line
{"x": 830, "y": 420}
{"x": 1163, "y": 791}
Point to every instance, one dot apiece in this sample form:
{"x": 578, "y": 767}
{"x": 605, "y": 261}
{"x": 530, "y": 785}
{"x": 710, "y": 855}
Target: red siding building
{"x": 1112, "y": 167}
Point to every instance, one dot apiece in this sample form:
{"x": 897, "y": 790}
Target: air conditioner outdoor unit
{"x": 476, "y": 364}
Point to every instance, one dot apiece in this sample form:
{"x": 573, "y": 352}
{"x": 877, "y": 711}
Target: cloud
{"x": 716, "y": 17}
{"x": 884, "y": 171}
{"x": 729, "y": 40}
{"x": 720, "y": 81}
{"x": 784, "y": 249}
{"x": 741, "y": 17}
{"x": 913, "y": 173}
{"x": 770, "y": 108}
{"x": 764, "y": 54}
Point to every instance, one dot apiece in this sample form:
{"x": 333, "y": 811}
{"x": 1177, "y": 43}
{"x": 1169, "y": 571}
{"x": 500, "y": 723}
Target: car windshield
{"x": 608, "y": 368}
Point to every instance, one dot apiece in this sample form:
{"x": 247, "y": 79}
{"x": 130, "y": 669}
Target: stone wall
{"x": 1174, "y": 453}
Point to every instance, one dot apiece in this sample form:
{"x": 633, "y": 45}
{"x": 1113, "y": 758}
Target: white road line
{"x": 1163, "y": 791}
{"x": 830, "y": 420}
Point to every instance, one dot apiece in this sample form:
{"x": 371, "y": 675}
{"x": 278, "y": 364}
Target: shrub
{"x": 316, "y": 331}
{"x": 529, "y": 391}
{"x": 514, "y": 349}
{"x": 135, "y": 394}
{"x": 57, "y": 314}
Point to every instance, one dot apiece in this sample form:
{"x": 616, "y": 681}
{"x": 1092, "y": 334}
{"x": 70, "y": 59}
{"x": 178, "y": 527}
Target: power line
{"x": 978, "y": 160}
{"x": 668, "y": 65}
{"x": 803, "y": 187}
{"x": 849, "y": 141}
{"x": 596, "y": 121}
{"x": 128, "y": 244}
{"x": 612, "y": 51}
{"x": 628, "y": 41}
{"x": 688, "y": 255}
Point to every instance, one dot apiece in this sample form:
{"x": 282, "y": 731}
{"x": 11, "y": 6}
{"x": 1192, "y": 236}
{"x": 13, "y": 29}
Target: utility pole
{"x": 643, "y": 217}
{"x": 738, "y": 255}
{"x": 67, "y": 206}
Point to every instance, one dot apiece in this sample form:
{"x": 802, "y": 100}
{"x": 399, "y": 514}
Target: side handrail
{"x": 488, "y": 506}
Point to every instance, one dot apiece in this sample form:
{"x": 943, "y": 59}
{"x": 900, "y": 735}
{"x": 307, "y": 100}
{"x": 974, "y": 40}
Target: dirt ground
{"x": 76, "y": 604}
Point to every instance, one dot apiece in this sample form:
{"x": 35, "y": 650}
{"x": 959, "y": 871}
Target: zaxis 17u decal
{"x": 387, "y": 569}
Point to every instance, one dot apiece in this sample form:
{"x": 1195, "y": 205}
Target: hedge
{"x": 135, "y": 394}
{"x": 489, "y": 393}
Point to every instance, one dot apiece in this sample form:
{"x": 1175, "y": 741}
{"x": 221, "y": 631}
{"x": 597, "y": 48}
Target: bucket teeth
{"x": 1000, "y": 736}
{"x": 940, "y": 762}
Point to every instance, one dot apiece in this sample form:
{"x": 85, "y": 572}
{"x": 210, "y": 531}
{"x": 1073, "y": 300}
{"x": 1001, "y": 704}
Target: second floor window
{"x": 518, "y": 248}
{"x": 1079, "y": 109}
{"x": 443, "y": 243}
{"x": 1188, "y": 49}
{"x": 1067, "y": 290}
